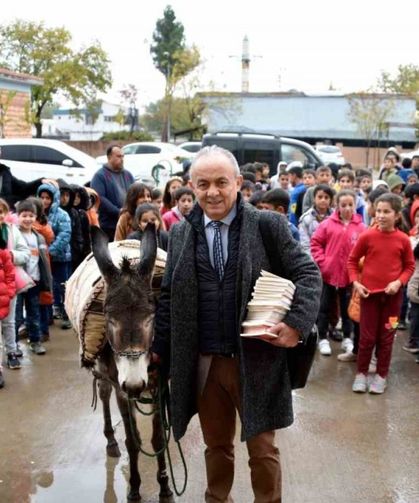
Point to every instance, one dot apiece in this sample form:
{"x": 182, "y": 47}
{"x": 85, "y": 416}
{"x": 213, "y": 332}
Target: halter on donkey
{"x": 123, "y": 363}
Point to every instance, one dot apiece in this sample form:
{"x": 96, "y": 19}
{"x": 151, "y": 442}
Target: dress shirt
{"x": 209, "y": 233}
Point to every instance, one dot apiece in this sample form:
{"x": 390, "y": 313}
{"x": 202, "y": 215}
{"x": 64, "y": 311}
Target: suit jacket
{"x": 264, "y": 380}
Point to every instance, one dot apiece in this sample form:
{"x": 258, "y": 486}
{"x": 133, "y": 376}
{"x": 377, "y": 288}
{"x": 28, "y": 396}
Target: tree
{"x": 129, "y": 95}
{"x": 6, "y": 98}
{"x": 30, "y": 47}
{"x": 172, "y": 58}
{"x": 370, "y": 113}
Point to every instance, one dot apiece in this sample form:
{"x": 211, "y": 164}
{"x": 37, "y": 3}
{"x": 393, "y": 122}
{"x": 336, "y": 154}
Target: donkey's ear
{"x": 148, "y": 251}
{"x": 101, "y": 253}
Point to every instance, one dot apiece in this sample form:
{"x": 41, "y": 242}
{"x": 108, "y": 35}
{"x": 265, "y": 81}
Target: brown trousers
{"x": 217, "y": 413}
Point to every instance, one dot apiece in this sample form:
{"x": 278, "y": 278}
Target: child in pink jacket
{"x": 331, "y": 245}
{"x": 184, "y": 199}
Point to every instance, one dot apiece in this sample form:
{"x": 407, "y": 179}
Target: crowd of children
{"x": 356, "y": 230}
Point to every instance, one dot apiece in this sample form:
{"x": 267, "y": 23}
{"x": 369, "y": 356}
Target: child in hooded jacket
{"x": 331, "y": 245}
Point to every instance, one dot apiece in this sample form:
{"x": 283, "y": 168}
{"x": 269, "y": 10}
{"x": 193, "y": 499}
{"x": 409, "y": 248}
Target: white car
{"x": 152, "y": 162}
{"x": 32, "y": 158}
{"x": 330, "y": 153}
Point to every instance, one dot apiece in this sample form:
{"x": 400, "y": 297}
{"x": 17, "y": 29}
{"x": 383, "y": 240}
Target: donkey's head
{"x": 129, "y": 308}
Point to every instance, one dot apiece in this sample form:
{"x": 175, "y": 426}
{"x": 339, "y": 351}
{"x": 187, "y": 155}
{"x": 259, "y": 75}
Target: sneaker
{"x": 66, "y": 324}
{"x": 12, "y": 361}
{"x": 347, "y": 357}
{"x": 378, "y": 385}
{"x": 37, "y": 348}
{"x": 19, "y": 352}
{"x": 411, "y": 349}
{"x": 372, "y": 369}
{"x": 22, "y": 331}
{"x": 1, "y": 380}
{"x": 360, "y": 383}
{"x": 56, "y": 313}
{"x": 324, "y": 347}
{"x": 347, "y": 344}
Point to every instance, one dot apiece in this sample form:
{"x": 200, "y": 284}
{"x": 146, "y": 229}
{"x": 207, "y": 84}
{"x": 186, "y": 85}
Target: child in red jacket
{"x": 388, "y": 265}
{"x": 7, "y": 286}
{"x": 330, "y": 246}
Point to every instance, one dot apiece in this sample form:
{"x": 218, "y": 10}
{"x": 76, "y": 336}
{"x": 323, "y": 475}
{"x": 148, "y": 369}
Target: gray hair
{"x": 215, "y": 150}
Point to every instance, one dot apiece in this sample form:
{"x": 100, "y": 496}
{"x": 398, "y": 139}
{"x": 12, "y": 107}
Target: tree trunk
{"x": 38, "y": 127}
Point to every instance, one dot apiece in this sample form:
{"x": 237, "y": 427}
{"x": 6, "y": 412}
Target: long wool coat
{"x": 265, "y": 387}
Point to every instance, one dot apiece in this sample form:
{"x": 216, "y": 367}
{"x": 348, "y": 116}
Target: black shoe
{"x": 18, "y": 352}
{"x": 335, "y": 335}
{"x": 1, "y": 380}
{"x": 12, "y": 361}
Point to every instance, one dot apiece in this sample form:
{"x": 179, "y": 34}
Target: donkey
{"x": 123, "y": 363}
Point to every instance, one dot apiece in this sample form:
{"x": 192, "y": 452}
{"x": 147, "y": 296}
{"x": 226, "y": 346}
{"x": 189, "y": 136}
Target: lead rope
{"x": 162, "y": 400}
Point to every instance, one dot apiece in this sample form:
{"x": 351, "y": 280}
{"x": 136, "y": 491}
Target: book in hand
{"x": 271, "y": 300}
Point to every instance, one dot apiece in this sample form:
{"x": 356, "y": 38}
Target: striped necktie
{"x": 218, "y": 249}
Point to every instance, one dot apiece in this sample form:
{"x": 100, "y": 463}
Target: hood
{"x": 64, "y": 186}
{"x": 355, "y": 217}
{"x": 53, "y": 191}
{"x": 394, "y": 180}
{"x": 94, "y": 197}
{"x": 84, "y": 197}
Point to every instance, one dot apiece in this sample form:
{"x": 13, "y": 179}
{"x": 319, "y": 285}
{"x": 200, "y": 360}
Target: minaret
{"x": 245, "y": 65}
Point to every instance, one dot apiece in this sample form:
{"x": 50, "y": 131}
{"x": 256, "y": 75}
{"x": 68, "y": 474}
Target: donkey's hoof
{"x": 166, "y": 498}
{"x": 113, "y": 451}
{"x": 133, "y": 496}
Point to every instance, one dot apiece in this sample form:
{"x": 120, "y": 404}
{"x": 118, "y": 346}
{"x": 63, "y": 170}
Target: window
{"x": 259, "y": 151}
{"x": 290, "y": 153}
{"x": 230, "y": 145}
{"x": 129, "y": 149}
{"x": 46, "y": 155}
{"x": 329, "y": 149}
{"x": 147, "y": 149}
{"x": 22, "y": 153}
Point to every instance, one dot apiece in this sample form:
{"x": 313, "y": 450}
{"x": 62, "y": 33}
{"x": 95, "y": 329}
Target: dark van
{"x": 252, "y": 147}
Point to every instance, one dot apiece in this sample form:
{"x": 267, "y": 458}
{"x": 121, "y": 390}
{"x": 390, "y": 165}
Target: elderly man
{"x": 215, "y": 257}
{"x": 111, "y": 182}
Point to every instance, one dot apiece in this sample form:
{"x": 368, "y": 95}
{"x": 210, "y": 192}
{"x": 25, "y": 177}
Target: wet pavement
{"x": 343, "y": 447}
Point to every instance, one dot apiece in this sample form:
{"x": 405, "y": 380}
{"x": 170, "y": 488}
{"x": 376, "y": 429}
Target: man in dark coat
{"x": 215, "y": 257}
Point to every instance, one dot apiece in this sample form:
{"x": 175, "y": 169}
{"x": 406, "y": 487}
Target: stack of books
{"x": 271, "y": 300}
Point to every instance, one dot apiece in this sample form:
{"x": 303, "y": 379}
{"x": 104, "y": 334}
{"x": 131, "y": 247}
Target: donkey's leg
{"x": 105, "y": 391}
{"x": 132, "y": 447}
{"x": 158, "y": 441}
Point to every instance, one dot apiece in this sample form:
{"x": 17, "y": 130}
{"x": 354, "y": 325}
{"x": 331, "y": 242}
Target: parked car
{"x": 252, "y": 147}
{"x": 330, "y": 153}
{"x": 31, "y": 158}
{"x": 191, "y": 146}
{"x": 152, "y": 162}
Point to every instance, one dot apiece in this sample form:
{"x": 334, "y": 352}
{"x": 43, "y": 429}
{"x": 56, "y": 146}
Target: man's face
{"x": 215, "y": 184}
{"x": 116, "y": 159}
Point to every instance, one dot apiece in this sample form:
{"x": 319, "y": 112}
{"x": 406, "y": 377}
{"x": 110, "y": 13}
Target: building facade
{"x": 15, "y": 103}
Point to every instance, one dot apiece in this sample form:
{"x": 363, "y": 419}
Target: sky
{"x": 301, "y": 45}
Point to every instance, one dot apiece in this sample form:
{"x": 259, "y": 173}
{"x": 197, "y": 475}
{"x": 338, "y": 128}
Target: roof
{"x": 20, "y": 77}
{"x": 301, "y": 94}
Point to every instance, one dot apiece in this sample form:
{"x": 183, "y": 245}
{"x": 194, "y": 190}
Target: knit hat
{"x": 393, "y": 181}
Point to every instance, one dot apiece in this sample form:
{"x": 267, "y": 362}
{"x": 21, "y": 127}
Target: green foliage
{"x": 126, "y": 135}
{"x": 185, "y": 114}
{"x": 168, "y": 39}
{"x": 406, "y": 81}
{"x": 6, "y": 98}
{"x": 29, "y": 47}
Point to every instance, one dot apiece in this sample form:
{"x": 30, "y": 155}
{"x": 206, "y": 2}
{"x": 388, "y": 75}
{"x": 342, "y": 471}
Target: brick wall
{"x": 14, "y": 123}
